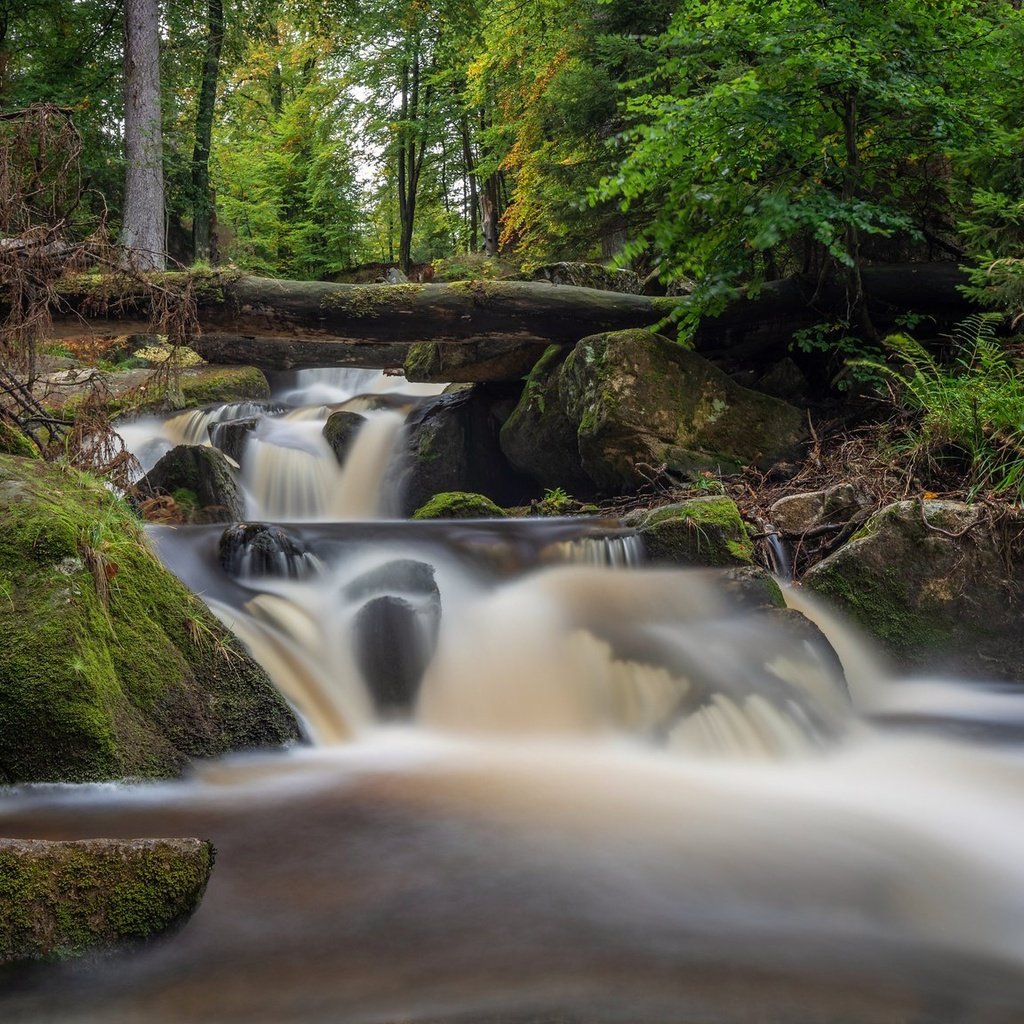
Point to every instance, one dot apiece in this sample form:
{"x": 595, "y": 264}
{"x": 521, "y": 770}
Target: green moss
{"x": 369, "y": 300}
{"x": 422, "y": 361}
{"x": 702, "y": 531}
{"x": 62, "y": 899}
{"x": 14, "y": 442}
{"x": 880, "y": 603}
{"x": 459, "y": 505}
{"x": 109, "y": 667}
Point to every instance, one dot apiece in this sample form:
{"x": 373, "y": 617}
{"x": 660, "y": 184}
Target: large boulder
{"x": 936, "y": 584}
{"x": 632, "y": 403}
{"x": 203, "y": 476}
{"x": 452, "y": 445}
{"x": 61, "y": 899}
{"x": 538, "y": 438}
{"x": 109, "y": 667}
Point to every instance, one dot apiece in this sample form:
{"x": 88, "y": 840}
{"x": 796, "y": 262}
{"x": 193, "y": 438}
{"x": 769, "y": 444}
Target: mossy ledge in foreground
{"x": 62, "y": 899}
{"x": 109, "y": 666}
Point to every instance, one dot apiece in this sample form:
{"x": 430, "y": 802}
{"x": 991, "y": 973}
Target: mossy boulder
{"x": 936, "y": 584}
{"x": 452, "y": 445}
{"x": 538, "y": 438}
{"x": 109, "y": 667}
{"x": 641, "y": 402}
{"x": 139, "y": 391}
{"x": 205, "y": 475}
{"x": 340, "y": 432}
{"x": 624, "y": 405}
{"x": 796, "y": 514}
{"x": 62, "y": 899}
{"x": 459, "y": 505}
{"x": 701, "y": 531}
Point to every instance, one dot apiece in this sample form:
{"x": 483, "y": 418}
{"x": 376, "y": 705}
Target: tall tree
{"x": 202, "y": 200}
{"x": 142, "y": 231}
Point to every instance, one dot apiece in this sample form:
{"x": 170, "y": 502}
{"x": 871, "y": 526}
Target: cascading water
{"x": 547, "y": 783}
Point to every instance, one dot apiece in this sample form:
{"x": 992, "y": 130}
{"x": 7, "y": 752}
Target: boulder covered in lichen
{"x": 62, "y": 899}
{"x": 937, "y": 583}
{"x": 459, "y": 505}
{"x": 109, "y": 667}
{"x": 702, "y": 531}
{"x": 627, "y": 406}
{"x": 340, "y": 432}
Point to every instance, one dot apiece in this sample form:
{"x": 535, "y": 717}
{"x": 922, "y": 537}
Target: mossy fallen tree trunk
{"x": 275, "y": 324}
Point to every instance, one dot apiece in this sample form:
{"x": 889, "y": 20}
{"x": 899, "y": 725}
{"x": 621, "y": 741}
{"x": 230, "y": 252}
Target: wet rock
{"x": 394, "y": 633}
{"x": 936, "y": 584}
{"x": 752, "y": 588}
{"x": 471, "y": 361}
{"x": 630, "y": 403}
{"x": 109, "y": 667}
{"x": 459, "y": 505}
{"x": 452, "y": 445}
{"x": 403, "y": 576}
{"x": 61, "y": 899}
{"x": 340, "y": 431}
{"x": 701, "y": 531}
{"x": 253, "y": 550}
{"x": 231, "y": 436}
{"x": 796, "y": 514}
{"x": 202, "y": 472}
{"x": 392, "y": 649}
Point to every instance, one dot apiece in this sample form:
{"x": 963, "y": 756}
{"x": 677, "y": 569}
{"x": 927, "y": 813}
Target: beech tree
{"x": 142, "y": 231}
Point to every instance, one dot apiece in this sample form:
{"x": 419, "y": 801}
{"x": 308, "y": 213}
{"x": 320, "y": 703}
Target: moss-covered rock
{"x": 471, "y": 361}
{"x": 538, "y": 438}
{"x": 61, "y": 899}
{"x": 340, "y": 432}
{"x": 459, "y": 505}
{"x": 623, "y": 405}
{"x": 142, "y": 391}
{"x": 701, "y": 531}
{"x": 640, "y": 401}
{"x": 206, "y": 476}
{"x": 936, "y": 585}
{"x": 109, "y": 667}
{"x": 14, "y": 442}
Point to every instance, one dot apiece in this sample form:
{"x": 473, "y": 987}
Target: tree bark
{"x": 202, "y": 201}
{"x": 142, "y": 233}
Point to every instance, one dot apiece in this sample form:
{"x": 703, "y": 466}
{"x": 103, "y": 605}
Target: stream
{"x": 544, "y": 783}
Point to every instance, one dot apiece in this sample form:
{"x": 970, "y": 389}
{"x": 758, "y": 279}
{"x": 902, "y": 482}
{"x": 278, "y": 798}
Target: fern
{"x": 969, "y": 413}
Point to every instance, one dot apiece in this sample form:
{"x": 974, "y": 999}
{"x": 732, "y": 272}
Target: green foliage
{"x": 786, "y": 136}
{"x": 969, "y": 414}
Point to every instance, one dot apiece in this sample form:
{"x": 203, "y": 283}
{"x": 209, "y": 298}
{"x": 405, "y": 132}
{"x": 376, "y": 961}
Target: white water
{"x": 615, "y": 796}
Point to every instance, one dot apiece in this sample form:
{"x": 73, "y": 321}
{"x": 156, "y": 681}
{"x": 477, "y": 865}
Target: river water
{"x": 544, "y": 783}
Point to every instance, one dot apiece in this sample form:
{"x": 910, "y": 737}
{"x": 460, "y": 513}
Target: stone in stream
{"x": 452, "y": 445}
{"x": 62, "y": 899}
{"x": 253, "y": 550}
{"x": 631, "y": 404}
{"x": 202, "y": 473}
{"x": 938, "y": 583}
{"x": 702, "y": 531}
{"x": 459, "y": 505}
{"x": 109, "y": 667}
{"x": 230, "y": 436}
{"x": 340, "y": 432}
{"x": 394, "y": 633}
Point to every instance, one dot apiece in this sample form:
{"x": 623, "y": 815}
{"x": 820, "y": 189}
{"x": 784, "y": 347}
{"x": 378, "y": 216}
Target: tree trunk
{"x": 142, "y": 233}
{"x": 202, "y": 201}
{"x": 467, "y": 156}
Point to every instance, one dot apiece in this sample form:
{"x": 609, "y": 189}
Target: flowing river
{"x": 544, "y": 783}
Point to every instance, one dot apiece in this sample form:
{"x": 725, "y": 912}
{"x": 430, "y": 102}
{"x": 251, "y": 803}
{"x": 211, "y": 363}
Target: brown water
{"x": 617, "y": 796}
